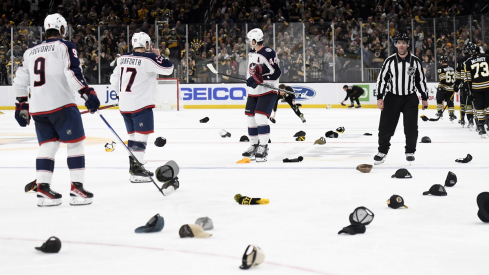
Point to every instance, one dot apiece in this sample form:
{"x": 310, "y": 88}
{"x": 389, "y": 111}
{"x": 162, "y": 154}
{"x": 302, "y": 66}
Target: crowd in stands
{"x": 320, "y": 41}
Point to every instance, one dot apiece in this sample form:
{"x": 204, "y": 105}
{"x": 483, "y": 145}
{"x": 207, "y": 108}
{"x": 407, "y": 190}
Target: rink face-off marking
{"x": 309, "y": 201}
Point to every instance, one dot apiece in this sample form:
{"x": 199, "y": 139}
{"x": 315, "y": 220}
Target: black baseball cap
{"x": 331, "y": 134}
{"x": 396, "y": 201}
{"x": 204, "y": 120}
{"x": 361, "y": 216}
{"x": 300, "y": 134}
{"x": 155, "y": 224}
{"x": 353, "y": 229}
{"x": 244, "y": 138}
{"x": 451, "y": 179}
{"x": 425, "y": 140}
{"x": 483, "y": 204}
{"x": 467, "y": 159}
{"x": 402, "y": 174}
{"x": 436, "y": 190}
{"x": 52, "y": 245}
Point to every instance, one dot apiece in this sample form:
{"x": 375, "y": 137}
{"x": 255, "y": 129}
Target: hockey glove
{"x": 91, "y": 100}
{"x": 22, "y": 112}
{"x": 256, "y": 77}
{"x": 455, "y": 88}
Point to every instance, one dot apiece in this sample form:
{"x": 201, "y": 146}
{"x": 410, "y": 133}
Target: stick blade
{"x": 213, "y": 70}
{"x": 434, "y": 119}
{"x": 424, "y": 118}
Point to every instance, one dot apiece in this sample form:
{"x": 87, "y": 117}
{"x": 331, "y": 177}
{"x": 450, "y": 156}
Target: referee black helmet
{"x": 402, "y": 36}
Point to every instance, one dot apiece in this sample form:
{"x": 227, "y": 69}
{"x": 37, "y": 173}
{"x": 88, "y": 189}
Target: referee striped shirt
{"x": 402, "y": 76}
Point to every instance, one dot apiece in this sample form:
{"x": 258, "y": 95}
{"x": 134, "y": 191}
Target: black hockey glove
{"x": 250, "y": 201}
{"x": 22, "y": 112}
{"x": 91, "y": 100}
{"x": 456, "y": 88}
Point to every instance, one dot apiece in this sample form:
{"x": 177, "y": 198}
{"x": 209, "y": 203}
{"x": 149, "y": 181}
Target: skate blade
{"x": 377, "y": 162}
{"x": 139, "y": 179}
{"x": 261, "y": 159}
{"x": 44, "y": 202}
{"x": 75, "y": 201}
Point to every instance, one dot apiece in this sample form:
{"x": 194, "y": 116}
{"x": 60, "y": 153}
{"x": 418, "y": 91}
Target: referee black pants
{"x": 394, "y": 105}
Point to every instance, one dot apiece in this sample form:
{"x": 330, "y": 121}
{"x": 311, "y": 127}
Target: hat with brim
{"x": 483, "y": 204}
{"x": 52, "y": 245}
{"x": 353, "y": 229}
{"x": 193, "y": 231}
{"x": 155, "y": 224}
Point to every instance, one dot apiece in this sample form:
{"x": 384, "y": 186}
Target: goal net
{"x": 168, "y": 94}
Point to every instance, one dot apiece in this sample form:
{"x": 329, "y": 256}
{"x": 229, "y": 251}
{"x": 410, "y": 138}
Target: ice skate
{"x": 251, "y": 152}
{"x": 303, "y": 118}
{"x": 261, "y": 153}
{"x": 80, "y": 196}
{"x": 439, "y": 114}
{"x": 46, "y": 196}
{"x": 358, "y": 107}
{"x": 410, "y": 157}
{"x": 379, "y": 158}
{"x": 351, "y": 106}
{"x": 462, "y": 122}
{"x": 452, "y": 117}
{"x": 138, "y": 173}
{"x": 482, "y": 131}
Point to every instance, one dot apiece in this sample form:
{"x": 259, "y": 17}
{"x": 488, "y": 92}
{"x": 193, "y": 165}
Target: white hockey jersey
{"x": 53, "y": 72}
{"x": 134, "y": 79}
{"x": 267, "y": 58}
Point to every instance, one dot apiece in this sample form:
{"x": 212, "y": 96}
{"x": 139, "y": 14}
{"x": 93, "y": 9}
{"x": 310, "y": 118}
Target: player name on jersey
{"x": 478, "y": 59}
{"x": 130, "y": 61}
{"x": 42, "y": 49}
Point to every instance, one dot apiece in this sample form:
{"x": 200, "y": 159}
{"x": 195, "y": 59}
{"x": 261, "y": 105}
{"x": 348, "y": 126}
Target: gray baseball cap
{"x": 205, "y": 222}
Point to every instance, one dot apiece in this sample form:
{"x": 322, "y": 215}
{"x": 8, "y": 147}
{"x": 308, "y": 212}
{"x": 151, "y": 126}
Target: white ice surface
{"x": 298, "y": 231}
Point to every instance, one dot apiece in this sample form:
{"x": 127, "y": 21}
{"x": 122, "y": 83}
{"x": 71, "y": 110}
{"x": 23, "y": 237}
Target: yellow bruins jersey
{"x": 477, "y": 72}
{"x": 446, "y": 76}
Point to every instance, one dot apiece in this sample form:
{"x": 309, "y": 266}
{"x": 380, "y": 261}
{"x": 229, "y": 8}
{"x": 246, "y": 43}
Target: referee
{"x": 401, "y": 76}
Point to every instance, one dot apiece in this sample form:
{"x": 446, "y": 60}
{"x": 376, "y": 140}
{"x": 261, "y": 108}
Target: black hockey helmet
{"x": 444, "y": 59}
{"x": 466, "y": 49}
{"x": 401, "y": 36}
{"x": 474, "y": 49}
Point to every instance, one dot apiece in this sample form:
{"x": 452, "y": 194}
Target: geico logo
{"x": 303, "y": 93}
{"x": 217, "y": 93}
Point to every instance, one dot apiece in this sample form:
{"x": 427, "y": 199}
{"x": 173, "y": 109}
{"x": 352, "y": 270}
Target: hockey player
{"x": 52, "y": 70}
{"x": 477, "y": 77}
{"x": 289, "y": 98}
{"x": 134, "y": 78}
{"x": 465, "y": 99}
{"x": 353, "y": 93}
{"x": 262, "y": 67}
{"x": 446, "y": 76}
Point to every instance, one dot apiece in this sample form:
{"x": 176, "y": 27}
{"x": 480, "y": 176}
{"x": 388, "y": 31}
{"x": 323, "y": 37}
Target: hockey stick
{"x": 125, "y": 146}
{"x": 424, "y": 118}
{"x": 101, "y": 108}
{"x": 213, "y": 70}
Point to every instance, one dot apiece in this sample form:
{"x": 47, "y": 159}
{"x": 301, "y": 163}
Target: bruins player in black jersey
{"x": 446, "y": 76}
{"x": 477, "y": 77}
{"x": 465, "y": 99}
{"x": 289, "y": 98}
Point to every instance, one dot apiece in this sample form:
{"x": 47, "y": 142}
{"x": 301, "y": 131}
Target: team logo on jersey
{"x": 141, "y": 124}
{"x": 68, "y": 132}
{"x": 268, "y": 50}
{"x": 411, "y": 71}
{"x": 303, "y": 93}
{"x": 252, "y": 68}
